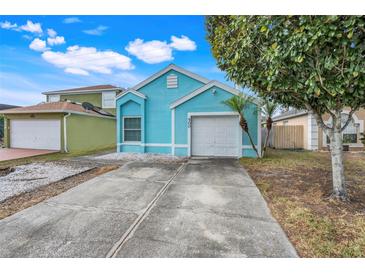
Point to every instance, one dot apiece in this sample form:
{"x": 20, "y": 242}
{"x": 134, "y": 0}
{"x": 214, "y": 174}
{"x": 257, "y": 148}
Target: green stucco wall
{"x": 93, "y": 98}
{"x": 84, "y": 133}
{"x": 53, "y": 116}
{"x": 90, "y": 133}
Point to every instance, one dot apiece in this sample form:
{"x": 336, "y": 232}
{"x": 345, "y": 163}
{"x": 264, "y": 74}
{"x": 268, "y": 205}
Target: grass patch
{"x": 296, "y": 186}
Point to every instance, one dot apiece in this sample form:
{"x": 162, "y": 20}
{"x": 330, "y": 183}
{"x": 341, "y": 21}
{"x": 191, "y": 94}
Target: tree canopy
{"x": 307, "y": 62}
{"x": 312, "y": 62}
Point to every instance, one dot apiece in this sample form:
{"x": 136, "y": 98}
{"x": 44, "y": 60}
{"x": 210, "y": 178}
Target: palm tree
{"x": 268, "y": 109}
{"x": 238, "y": 103}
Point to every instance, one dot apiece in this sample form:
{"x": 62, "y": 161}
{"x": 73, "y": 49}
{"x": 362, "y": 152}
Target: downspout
{"x": 65, "y": 132}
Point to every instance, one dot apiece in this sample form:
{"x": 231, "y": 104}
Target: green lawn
{"x": 297, "y": 185}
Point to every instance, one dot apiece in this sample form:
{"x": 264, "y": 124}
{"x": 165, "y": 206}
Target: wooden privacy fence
{"x": 289, "y": 137}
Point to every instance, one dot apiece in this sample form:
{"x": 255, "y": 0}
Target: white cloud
{"x": 28, "y": 37}
{"x": 51, "y": 33}
{"x": 97, "y": 31}
{"x": 127, "y": 79}
{"x": 151, "y": 52}
{"x": 58, "y": 40}
{"x": 83, "y": 60}
{"x": 155, "y": 51}
{"x": 77, "y": 71}
{"x": 71, "y": 20}
{"x": 8, "y": 25}
{"x": 18, "y": 89}
{"x": 183, "y": 43}
{"x": 38, "y": 45}
{"x": 32, "y": 27}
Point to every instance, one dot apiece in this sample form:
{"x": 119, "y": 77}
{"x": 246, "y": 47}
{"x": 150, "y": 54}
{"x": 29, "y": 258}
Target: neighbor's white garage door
{"x": 215, "y": 136}
{"x": 35, "y": 134}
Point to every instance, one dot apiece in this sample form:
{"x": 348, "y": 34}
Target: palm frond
{"x": 269, "y": 108}
{"x": 238, "y": 102}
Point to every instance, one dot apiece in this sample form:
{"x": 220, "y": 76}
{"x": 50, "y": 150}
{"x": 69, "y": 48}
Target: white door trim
{"x": 173, "y": 131}
{"x": 226, "y": 113}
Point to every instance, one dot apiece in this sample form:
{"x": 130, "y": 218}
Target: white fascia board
{"x": 280, "y": 118}
{"x": 81, "y": 91}
{"x": 168, "y": 68}
{"x": 204, "y": 88}
{"x": 135, "y": 92}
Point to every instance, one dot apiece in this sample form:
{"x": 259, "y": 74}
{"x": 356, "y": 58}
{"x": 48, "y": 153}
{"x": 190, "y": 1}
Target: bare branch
{"x": 349, "y": 118}
{"x": 319, "y": 120}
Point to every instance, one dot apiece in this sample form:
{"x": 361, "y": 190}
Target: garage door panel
{"x": 35, "y": 134}
{"x": 215, "y": 136}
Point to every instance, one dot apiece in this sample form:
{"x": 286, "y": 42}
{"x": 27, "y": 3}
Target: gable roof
{"x": 5, "y": 106}
{"x": 135, "y": 92}
{"x": 200, "y": 90}
{"x": 56, "y": 107}
{"x": 88, "y": 89}
{"x": 168, "y": 68}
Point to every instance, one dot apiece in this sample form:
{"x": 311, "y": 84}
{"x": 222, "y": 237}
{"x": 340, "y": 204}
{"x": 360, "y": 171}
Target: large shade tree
{"x": 315, "y": 63}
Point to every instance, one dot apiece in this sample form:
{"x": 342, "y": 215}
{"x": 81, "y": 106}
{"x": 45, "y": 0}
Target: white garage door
{"x": 215, "y": 136}
{"x": 35, "y": 134}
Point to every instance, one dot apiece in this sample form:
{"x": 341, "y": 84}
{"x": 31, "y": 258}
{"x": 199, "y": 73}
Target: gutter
{"x": 65, "y": 132}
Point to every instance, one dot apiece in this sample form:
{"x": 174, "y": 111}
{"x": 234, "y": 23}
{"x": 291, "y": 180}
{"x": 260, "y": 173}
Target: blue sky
{"x": 40, "y": 53}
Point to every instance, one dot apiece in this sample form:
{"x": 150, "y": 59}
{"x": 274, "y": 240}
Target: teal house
{"x": 180, "y": 113}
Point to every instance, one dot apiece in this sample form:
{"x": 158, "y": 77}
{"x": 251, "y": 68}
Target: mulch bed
{"x": 28, "y": 199}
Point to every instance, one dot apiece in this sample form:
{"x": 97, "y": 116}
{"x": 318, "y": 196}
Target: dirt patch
{"x": 297, "y": 185}
{"x": 28, "y": 199}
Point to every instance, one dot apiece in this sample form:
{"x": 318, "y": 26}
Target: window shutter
{"x": 172, "y": 81}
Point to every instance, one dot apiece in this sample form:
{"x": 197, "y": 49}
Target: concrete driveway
{"x": 203, "y": 208}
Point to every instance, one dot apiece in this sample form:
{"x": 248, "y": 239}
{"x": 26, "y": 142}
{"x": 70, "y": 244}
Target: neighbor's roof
{"x": 85, "y": 89}
{"x": 290, "y": 114}
{"x": 4, "y": 106}
{"x": 55, "y": 107}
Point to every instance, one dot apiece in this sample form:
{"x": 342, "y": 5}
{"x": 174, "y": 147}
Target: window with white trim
{"x": 349, "y": 135}
{"x": 132, "y": 129}
{"x": 171, "y": 81}
{"x": 108, "y": 99}
{"x": 53, "y": 98}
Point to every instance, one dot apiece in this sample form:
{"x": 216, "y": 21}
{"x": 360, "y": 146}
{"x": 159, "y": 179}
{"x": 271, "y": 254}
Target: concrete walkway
{"x": 205, "y": 208}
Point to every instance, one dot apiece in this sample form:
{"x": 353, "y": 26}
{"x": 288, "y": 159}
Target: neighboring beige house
{"x": 314, "y": 138}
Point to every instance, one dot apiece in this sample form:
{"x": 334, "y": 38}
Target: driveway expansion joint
{"x": 129, "y": 233}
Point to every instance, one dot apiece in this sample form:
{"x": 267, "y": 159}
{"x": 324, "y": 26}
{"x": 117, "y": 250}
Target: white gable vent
{"x": 172, "y": 81}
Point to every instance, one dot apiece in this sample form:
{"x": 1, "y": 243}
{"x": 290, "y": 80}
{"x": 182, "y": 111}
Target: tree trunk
{"x": 268, "y": 127}
{"x": 244, "y": 126}
{"x": 338, "y": 177}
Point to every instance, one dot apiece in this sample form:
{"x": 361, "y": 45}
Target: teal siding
{"x": 158, "y": 122}
{"x": 156, "y": 114}
{"x": 247, "y": 152}
{"x": 181, "y": 151}
{"x": 130, "y": 148}
{"x": 158, "y": 150}
{"x": 130, "y": 105}
{"x": 209, "y": 102}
